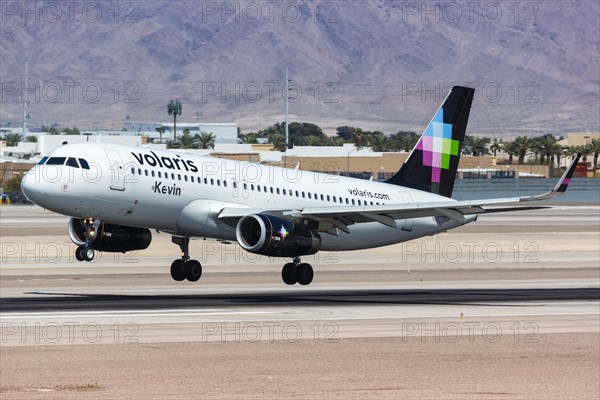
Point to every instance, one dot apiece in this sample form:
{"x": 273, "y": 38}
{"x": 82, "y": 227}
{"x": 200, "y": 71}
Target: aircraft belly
{"x": 373, "y": 234}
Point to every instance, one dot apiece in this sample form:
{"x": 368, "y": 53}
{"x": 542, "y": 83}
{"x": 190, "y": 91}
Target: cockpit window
{"x": 84, "y": 164}
{"x": 43, "y": 161}
{"x": 56, "y": 161}
{"x": 72, "y": 162}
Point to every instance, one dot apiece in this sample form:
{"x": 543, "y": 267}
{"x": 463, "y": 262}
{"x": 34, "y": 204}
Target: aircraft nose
{"x": 31, "y": 189}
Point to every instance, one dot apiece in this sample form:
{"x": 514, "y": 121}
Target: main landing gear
{"x": 297, "y": 272}
{"x": 185, "y": 268}
{"x": 86, "y": 251}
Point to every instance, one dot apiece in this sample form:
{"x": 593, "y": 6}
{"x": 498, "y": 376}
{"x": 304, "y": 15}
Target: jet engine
{"x": 110, "y": 237}
{"x": 274, "y": 236}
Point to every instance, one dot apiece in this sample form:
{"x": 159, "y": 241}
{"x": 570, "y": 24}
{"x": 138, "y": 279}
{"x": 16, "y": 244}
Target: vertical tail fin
{"x": 431, "y": 166}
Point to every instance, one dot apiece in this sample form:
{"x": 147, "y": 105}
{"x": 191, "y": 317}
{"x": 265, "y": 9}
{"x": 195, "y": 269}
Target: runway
{"x": 482, "y": 311}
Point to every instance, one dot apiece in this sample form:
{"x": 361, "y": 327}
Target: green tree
{"x": 404, "y": 140}
{"x": 359, "y": 138}
{"x": 278, "y": 141}
{"x": 336, "y": 141}
{"x": 187, "y": 141}
{"x": 174, "y": 108}
{"x": 12, "y": 139}
{"x": 593, "y": 147}
{"x": 548, "y": 148}
{"x": 312, "y": 141}
{"x": 31, "y": 139}
{"x": 522, "y": 146}
{"x": 345, "y": 132}
{"x": 206, "y": 140}
{"x": 379, "y": 142}
{"x": 161, "y": 131}
{"x": 69, "y": 131}
{"x": 249, "y": 138}
{"x": 511, "y": 149}
{"x": 13, "y": 184}
{"x": 496, "y": 146}
{"x": 476, "y": 146}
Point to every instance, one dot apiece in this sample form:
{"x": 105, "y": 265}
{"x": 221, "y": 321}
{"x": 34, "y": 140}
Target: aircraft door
{"x": 408, "y": 223}
{"x": 116, "y": 170}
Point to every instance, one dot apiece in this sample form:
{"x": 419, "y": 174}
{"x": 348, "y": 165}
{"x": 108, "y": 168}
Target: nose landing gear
{"x": 86, "y": 251}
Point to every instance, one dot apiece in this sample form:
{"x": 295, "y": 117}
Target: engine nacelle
{"x": 110, "y": 237}
{"x": 274, "y": 236}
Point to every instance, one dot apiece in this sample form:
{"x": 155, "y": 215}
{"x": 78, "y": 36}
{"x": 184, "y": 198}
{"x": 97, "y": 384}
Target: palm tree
{"x": 359, "y": 138}
{"x": 31, "y": 139}
{"x": 594, "y": 147}
{"x": 337, "y": 141}
{"x": 548, "y": 147}
{"x": 249, "y": 138}
{"x": 205, "y": 140}
{"x": 12, "y": 139}
{"x": 312, "y": 140}
{"x": 476, "y": 146}
{"x": 187, "y": 141}
{"x": 174, "y": 109}
{"x": 511, "y": 149}
{"x": 406, "y": 142}
{"x": 379, "y": 142}
{"x": 496, "y": 146}
{"x": 278, "y": 141}
{"x": 160, "y": 131}
{"x": 522, "y": 145}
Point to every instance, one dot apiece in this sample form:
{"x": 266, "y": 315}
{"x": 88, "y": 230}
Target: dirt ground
{"x": 553, "y": 366}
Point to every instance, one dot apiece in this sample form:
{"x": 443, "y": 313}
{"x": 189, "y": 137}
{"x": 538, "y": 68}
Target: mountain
{"x": 376, "y": 64}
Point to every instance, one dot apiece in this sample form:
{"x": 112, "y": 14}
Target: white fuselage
{"x": 183, "y": 194}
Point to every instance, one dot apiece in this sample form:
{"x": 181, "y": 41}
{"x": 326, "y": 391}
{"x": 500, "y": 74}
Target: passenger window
{"x": 218, "y": 182}
{"x": 252, "y": 187}
{"x": 84, "y": 164}
{"x": 258, "y": 188}
{"x": 205, "y": 181}
{"x": 297, "y": 194}
{"x": 322, "y": 198}
{"x": 328, "y": 198}
{"x": 179, "y": 177}
{"x": 152, "y": 173}
{"x": 43, "y": 160}
{"x": 146, "y": 172}
{"x": 265, "y": 189}
{"x": 139, "y": 171}
{"x": 277, "y": 190}
{"x": 271, "y": 189}
{"x": 352, "y": 201}
{"x": 159, "y": 174}
{"x": 309, "y": 196}
{"x": 212, "y": 182}
{"x": 245, "y": 186}
{"x": 224, "y": 183}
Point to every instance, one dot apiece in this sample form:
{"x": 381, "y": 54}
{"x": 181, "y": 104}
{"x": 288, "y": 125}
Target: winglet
{"x": 562, "y": 184}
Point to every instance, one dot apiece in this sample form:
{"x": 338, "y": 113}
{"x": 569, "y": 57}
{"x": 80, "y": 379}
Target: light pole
{"x": 348, "y": 161}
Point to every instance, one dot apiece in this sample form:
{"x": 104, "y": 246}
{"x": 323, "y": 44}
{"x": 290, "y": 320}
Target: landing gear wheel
{"x": 79, "y": 253}
{"x": 288, "y": 274}
{"x": 305, "y": 274}
{"x": 88, "y": 253}
{"x": 193, "y": 270}
{"x": 178, "y": 270}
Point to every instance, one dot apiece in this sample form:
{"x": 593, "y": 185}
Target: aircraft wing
{"x": 342, "y": 216}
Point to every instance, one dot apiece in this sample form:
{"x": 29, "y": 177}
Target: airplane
{"x": 115, "y": 195}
